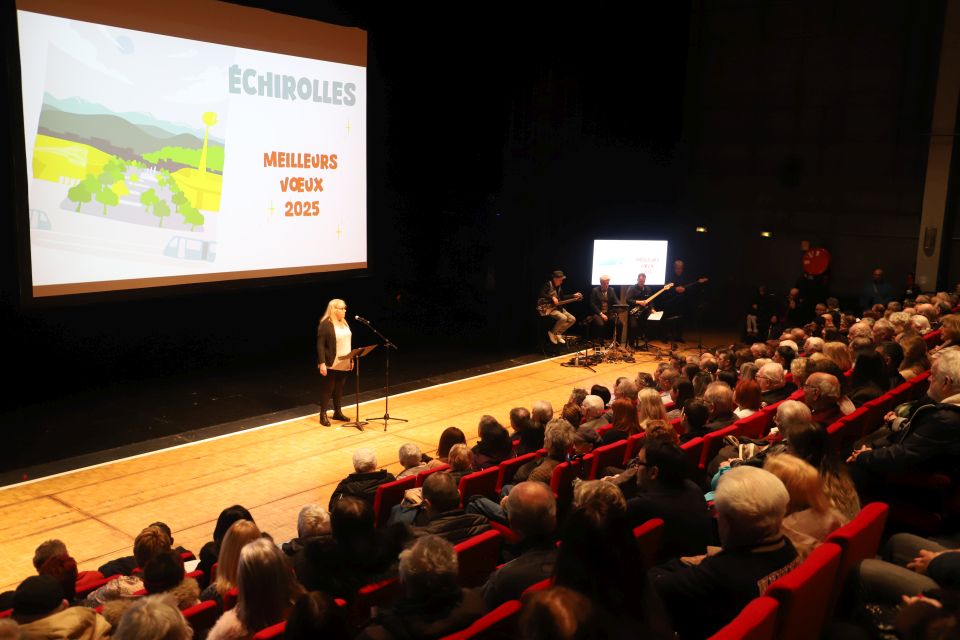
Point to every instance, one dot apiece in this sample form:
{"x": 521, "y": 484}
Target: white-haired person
{"x": 333, "y": 342}
{"x": 593, "y": 409}
{"x": 773, "y": 383}
{"x": 313, "y": 523}
{"x": 267, "y": 590}
{"x": 751, "y": 504}
{"x": 930, "y": 439}
{"x": 365, "y": 479}
{"x": 433, "y": 605}
{"x": 153, "y": 618}
{"x": 411, "y": 459}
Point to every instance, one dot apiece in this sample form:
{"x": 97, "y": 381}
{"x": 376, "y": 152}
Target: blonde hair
{"x": 838, "y": 353}
{"x": 460, "y": 458}
{"x": 331, "y": 307}
{"x": 238, "y": 535}
{"x": 951, "y": 323}
{"x": 266, "y": 585}
{"x": 802, "y": 481}
{"x": 650, "y": 406}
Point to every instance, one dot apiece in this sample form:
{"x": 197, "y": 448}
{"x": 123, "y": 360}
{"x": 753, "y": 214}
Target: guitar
{"x": 694, "y": 283}
{"x": 640, "y": 308}
{"x": 545, "y": 307}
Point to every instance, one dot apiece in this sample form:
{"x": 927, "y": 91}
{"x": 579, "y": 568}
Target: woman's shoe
{"x": 324, "y": 420}
{"x": 342, "y": 418}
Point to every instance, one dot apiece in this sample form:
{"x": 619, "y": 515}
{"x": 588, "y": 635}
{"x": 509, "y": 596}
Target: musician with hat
{"x": 550, "y": 304}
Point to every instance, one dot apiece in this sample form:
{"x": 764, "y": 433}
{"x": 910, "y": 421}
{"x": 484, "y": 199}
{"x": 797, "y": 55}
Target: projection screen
{"x": 184, "y": 142}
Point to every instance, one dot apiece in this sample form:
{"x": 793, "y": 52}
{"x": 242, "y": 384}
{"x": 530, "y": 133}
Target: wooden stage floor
{"x": 272, "y": 470}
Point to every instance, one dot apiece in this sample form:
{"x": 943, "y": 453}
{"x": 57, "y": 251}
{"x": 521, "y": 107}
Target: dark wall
{"x": 811, "y": 120}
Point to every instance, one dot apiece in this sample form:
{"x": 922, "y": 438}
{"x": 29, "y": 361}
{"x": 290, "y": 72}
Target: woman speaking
{"x": 333, "y": 341}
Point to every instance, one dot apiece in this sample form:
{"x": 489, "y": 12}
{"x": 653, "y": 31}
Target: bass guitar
{"x": 640, "y": 308}
{"x": 545, "y": 307}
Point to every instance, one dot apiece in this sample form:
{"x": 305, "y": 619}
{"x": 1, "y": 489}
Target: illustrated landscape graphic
{"x": 129, "y": 167}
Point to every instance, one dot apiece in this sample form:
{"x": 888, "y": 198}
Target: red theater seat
{"x": 805, "y": 594}
{"x": 388, "y": 496}
{"x": 477, "y": 557}
{"x": 273, "y": 631}
{"x": 648, "y": 537}
{"x": 201, "y": 617}
{"x": 561, "y": 482}
{"x": 499, "y": 623}
{"x": 423, "y": 474}
{"x": 757, "y": 621}
{"x": 481, "y": 483}
{"x": 610, "y": 455}
{"x": 508, "y": 468}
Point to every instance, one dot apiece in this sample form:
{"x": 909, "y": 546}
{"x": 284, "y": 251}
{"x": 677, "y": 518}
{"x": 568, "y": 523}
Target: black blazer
{"x": 326, "y": 343}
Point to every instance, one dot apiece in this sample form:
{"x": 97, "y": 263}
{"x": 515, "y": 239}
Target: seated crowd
{"x": 748, "y": 514}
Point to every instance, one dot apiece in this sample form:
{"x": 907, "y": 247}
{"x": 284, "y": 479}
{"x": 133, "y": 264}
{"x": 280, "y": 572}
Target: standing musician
{"x": 636, "y": 297}
{"x": 602, "y": 299}
{"x": 551, "y": 294}
{"x": 682, "y": 303}
{"x": 333, "y": 341}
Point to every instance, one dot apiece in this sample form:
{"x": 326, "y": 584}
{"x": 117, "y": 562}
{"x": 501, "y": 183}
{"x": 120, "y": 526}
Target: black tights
{"x": 331, "y": 386}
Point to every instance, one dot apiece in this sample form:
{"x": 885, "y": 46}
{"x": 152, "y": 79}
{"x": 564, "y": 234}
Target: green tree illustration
{"x": 179, "y": 199}
{"x": 148, "y": 198}
{"x": 209, "y": 119}
{"x": 79, "y": 194}
{"x": 161, "y": 209}
{"x": 190, "y": 215}
{"x": 91, "y": 183}
{"x": 107, "y": 198}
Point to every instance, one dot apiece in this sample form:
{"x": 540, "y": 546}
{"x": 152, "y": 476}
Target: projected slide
{"x": 623, "y": 260}
{"x": 155, "y": 159}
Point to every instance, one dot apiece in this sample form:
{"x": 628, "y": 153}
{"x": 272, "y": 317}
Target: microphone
{"x": 361, "y": 319}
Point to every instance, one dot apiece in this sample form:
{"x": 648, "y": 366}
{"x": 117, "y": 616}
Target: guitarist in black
{"x": 636, "y": 297}
{"x": 682, "y": 303}
{"x": 549, "y": 304}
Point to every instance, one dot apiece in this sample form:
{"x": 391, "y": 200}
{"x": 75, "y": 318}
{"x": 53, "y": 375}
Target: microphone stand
{"x": 386, "y": 418}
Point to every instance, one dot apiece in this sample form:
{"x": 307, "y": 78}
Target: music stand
{"x": 355, "y": 355}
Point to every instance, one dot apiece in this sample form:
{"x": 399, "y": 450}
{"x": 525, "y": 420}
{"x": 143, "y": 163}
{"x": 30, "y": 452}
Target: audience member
{"x": 364, "y": 481}
{"x": 359, "y": 555}
{"x": 679, "y": 394}
{"x": 663, "y": 491}
{"x": 557, "y": 614}
{"x": 719, "y": 400}
{"x": 930, "y": 439}
{"x": 266, "y": 589}
{"x": 148, "y": 543}
{"x": 440, "y": 513}
{"x": 411, "y": 459}
{"x": 748, "y": 398}
{"x": 153, "y": 617}
{"x": 450, "y": 437}
{"x": 649, "y": 407}
{"x": 810, "y": 515}
{"x": 868, "y": 380}
{"x": 593, "y": 410}
{"x": 42, "y": 612}
{"x": 433, "y": 604}
{"x": 600, "y": 559}
{"x": 557, "y": 441}
{"x": 821, "y": 394}
{"x": 625, "y": 422}
{"x": 750, "y": 504}
{"x": 532, "y": 515}
{"x": 210, "y": 551}
{"x": 316, "y": 615}
{"x": 461, "y": 462}
{"x": 694, "y": 420}
{"x": 313, "y": 522}
{"x": 163, "y": 574}
{"x": 773, "y": 383}
{"x": 915, "y": 357}
{"x": 238, "y": 536}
